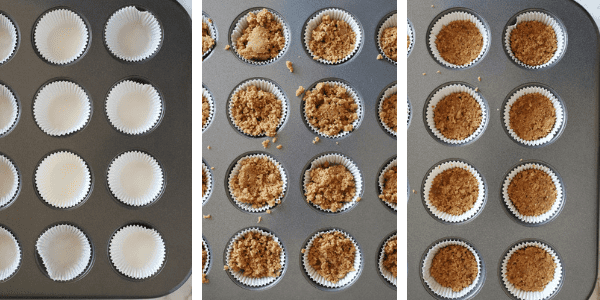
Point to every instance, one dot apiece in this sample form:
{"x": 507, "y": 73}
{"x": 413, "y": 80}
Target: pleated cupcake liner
{"x": 388, "y": 93}
{"x": 50, "y": 108}
{"x": 209, "y": 184}
{"x": 392, "y": 21}
{"x": 10, "y": 254}
{"x": 61, "y": 36}
{"x": 205, "y": 266}
{"x": 411, "y": 34}
{"x": 381, "y": 181}
{"x": 137, "y": 252}
{"x": 126, "y": 30}
{"x": 335, "y": 14}
{"x": 408, "y": 113}
{"x": 63, "y": 179}
{"x": 124, "y": 114}
{"x": 9, "y": 109}
{"x": 57, "y": 244}
{"x": 124, "y": 182}
{"x": 382, "y": 270}
{"x": 9, "y": 38}
{"x": 213, "y": 34}
{"x": 206, "y": 94}
{"x": 9, "y": 181}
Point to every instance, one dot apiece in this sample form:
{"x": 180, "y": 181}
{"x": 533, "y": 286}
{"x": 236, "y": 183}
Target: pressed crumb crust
{"x": 454, "y": 191}
{"x": 533, "y": 42}
{"x": 388, "y": 112}
{"x": 204, "y": 257}
{"x": 263, "y": 38}
{"x": 256, "y": 256}
{"x": 204, "y": 182}
{"x": 330, "y": 109}
{"x": 407, "y": 41}
{"x": 530, "y": 269}
{"x": 389, "y": 193}
{"x": 532, "y": 192}
{"x": 330, "y": 186}
{"x": 460, "y": 42}
{"x": 332, "y": 256}
{"x": 205, "y": 111}
{"x": 390, "y": 258}
{"x": 256, "y": 111}
{"x": 389, "y": 42}
{"x": 532, "y": 116}
{"x": 258, "y": 182}
{"x": 207, "y": 40}
{"x": 457, "y": 116}
{"x": 332, "y": 39}
{"x": 454, "y": 267}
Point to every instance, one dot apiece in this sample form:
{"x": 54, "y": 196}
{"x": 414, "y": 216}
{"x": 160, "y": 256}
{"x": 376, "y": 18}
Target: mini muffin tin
{"x": 98, "y": 143}
{"x": 573, "y": 154}
{"x": 294, "y": 221}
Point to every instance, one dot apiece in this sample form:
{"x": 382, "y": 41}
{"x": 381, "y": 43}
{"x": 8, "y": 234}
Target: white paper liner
{"x": 359, "y": 111}
{"x": 213, "y": 33}
{"x": 553, "y": 209}
{"x": 316, "y": 277}
{"x": 335, "y": 14}
{"x": 550, "y": 287}
{"x": 381, "y": 181}
{"x": 137, "y": 252}
{"x": 65, "y": 251}
{"x": 557, "y": 108}
{"x": 392, "y": 21}
{"x": 10, "y": 254}
{"x": 63, "y": 179}
{"x": 206, "y": 94}
{"x": 382, "y": 270}
{"x": 336, "y": 159}
{"x": 9, "y": 109}
{"x": 205, "y": 266}
{"x": 133, "y": 108}
{"x": 444, "y": 215}
{"x": 61, "y": 36}
{"x": 61, "y": 108}
{"x": 266, "y": 86}
{"x": 411, "y": 33}
{"x": 438, "y": 96}
{"x": 135, "y": 178}
{"x": 437, "y": 288}
{"x": 447, "y": 19}
{"x": 388, "y": 93}
{"x": 247, "y": 206}
{"x": 547, "y": 20}
{"x": 242, "y": 24}
{"x": 132, "y": 35}
{"x": 209, "y": 183}
{"x": 248, "y": 281}
{"x": 9, "y": 181}
{"x": 8, "y": 38}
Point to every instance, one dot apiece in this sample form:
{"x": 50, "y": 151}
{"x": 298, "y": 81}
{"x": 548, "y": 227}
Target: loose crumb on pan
{"x": 332, "y": 39}
{"x": 424, "y": 74}
{"x": 358, "y": 199}
{"x": 389, "y": 42}
{"x": 479, "y": 78}
{"x": 332, "y": 256}
{"x": 207, "y": 40}
{"x": 457, "y": 116}
{"x": 206, "y": 216}
{"x": 414, "y": 192}
{"x": 390, "y": 256}
{"x": 268, "y": 211}
{"x": 379, "y": 56}
{"x": 303, "y": 250}
{"x": 330, "y": 109}
{"x": 212, "y": 168}
{"x": 289, "y": 65}
{"x": 532, "y": 192}
{"x": 208, "y": 147}
{"x": 263, "y": 38}
{"x": 265, "y": 144}
{"x": 274, "y": 140}
{"x": 390, "y": 186}
{"x": 204, "y": 182}
{"x": 454, "y": 267}
{"x": 476, "y": 89}
{"x": 256, "y": 256}
{"x": 209, "y": 20}
{"x": 530, "y": 269}
{"x": 227, "y": 47}
{"x": 454, "y": 191}
{"x": 532, "y": 116}
{"x": 258, "y": 182}
{"x": 299, "y": 91}
{"x": 317, "y": 139}
{"x": 533, "y": 42}
{"x": 279, "y": 147}
{"x": 439, "y": 72}
{"x": 259, "y": 218}
{"x": 460, "y": 42}
{"x": 256, "y": 111}
{"x": 225, "y": 267}
{"x": 388, "y": 112}
{"x": 205, "y": 110}
{"x": 330, "y": 186}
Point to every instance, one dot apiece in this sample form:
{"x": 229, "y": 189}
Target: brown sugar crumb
{"x": 330, "y": 109}
{"x": 205, "y": 111}
{"x": 227, "y": 47}
{"x": 208, "y": 147}
{"x": 256, "y": 111}
{"x": 358, "y": 199}
{"x": 299, "y": 91}
{"x": 530, "y": 269}
{"x": 256, "y": 256}
{"x": 407, "y": 41}
{"x": 204, "y": 279}
{"x": 265, "y": 144}
{"x": 212, "y": 168}
{"x": 390, "y": 256}
{"x": 439, "y": 72}
{"x": 379, "y": 56}
{"x": 316, "y": 140}
{"x": 332, "y": 40}
{"x": 288, "y": 64}
{"x": 390, "y": 186}
{"x": 454, "y": 267}
{"x": 259, "y": 218}
{"x": 303, "y": 250}
{"x": 532, "y": 192}
{"x": 388, "y": 112}
{"x": 204, "y": 182}
{"x": 424, "y": 74}
{"x": 279, "y": 147}
{"x": 209, "y": 20}
{"x": 225, "y": 267}
{"x": 263, "y": 38}
{"x": 479, "y": 78}
{"x": 533, "y": 42}
{"x": 454, "y": 191}
{"x": 389, "y": 42}
{"x": 206, "y": 216}
{"x": 268, "y": 211}
{"x": 332, "y": 256}
{"x": 207, "y": 40}
{"x": 532, "y": 116}
{"x": 258, "y": 182}
{"x": 457, "y": 116}
{"x": 330, "y": 186}
{"x": 204, "y": 257}
{"x": 459, "y": 42}
{"x": 274, "y": 140}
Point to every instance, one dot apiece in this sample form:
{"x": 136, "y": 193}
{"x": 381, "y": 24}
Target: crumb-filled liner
{"x": 359, "y": 111}
{"x": 207, "y": 263}
{"x": 132, "y": 35}
{"x": 133, "y": 108}
{"x": 437, "y": 288}
{"x": 392, "y": 21}
{"x": 65, "y": 252}
{"x": 136, "y": 251}
{"x": 265, "y": 86}
{"x": 61, "y": 108}
{"x": 8, "y": 38}
{"x": 211, "y": 104}
{"x": 447, "y": 19}
{"x": 249, "y": 281}
{"x": 10, "y": 254}
{"x": 61, "y": 36}
{"x": 242, "y": 24}
{"x": 336, "y": 159}
{"x": 135, "y": 178}
{"x": 555, "y": 206}
{"x": 9, "y": 109}
{"x": 63, "y": 179}
{"x": 247, "y": 206}
{"x": 322, "y": 281}
{"x": 381, "y": 181}
{"x": 558, "y": 109}
{"x": 209, "y": 183}
{"x": 444, "y": 216}
{"x": 550, "y": 288}
{"x": 335, "y": 14}
{"x": 411, "y": 34}
{"x": 382, "y": 270}
{"x": 213, "y": 33}
{"x": 9, "y": 181}
{"x": 388, "y": 93}
{"x": 546, "y": 20}
{"x": 439, "y": 95}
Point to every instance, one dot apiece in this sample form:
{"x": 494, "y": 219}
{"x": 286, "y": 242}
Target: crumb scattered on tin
{"x": 438, "y": 71}
{"x": 299, "y": 91}
{"x": 265, "y": 143}
{"x": 268, "y": 211}
{"x": 279, "y": 147}
{"x": 274, "y": 140}
{"x": 424, "y": 74}
{"x": 212, "y": 168}
{"x": 259, "y": 218}
{"x": 303, "y": 250}
{"x": 379, "y": 56}
{"x": 288, "y": 64}
{"x": 358, "y": 199}
{"x": 479, "y": 78}
{"x": 477, "y": 89}
{"x": 208, "y": 147}
{"x": 225, "y": 267}
{"x": 227, "y": 47}
{"x": 206, "y": 216}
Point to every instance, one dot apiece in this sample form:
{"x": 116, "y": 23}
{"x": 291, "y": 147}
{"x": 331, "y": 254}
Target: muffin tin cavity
{"x": 61, "y": 36}
{"x": 390, "y": 21}
{"x": 387, "y": 109}
{"x": 9, "y": 38}
{"x": 211, "y": 35}
{"x": 133, "y": 35}
{"x": 10, "y": 254}
{"x": 10, "y": 181}
{"x": 137, "y": 251}
{"x": 136, "y": 178}
{"x": 10, "y": 110}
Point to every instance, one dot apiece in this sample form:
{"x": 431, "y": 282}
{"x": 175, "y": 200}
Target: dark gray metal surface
{"x": 171, "y": 143}
{"x": 574, "y": 155}
{"x": 369, "y": 146}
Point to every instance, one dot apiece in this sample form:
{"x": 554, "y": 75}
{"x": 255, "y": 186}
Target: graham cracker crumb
{"x": 330, "y": 186}
{"x": 206, "y": 216}
{"x": 279, "y": 147}
{"x": 303, "y": 250}
{"x": 337, "y": 143}
{"x": 390, "y": 256}
{"x": 263, "y": 38}
{"x": 389, "y": 42}
{"x": 225, "y": 267}
{"x": 207, "y": 40}
{"x": 316, "y": 57}
{"x": 212, "y": 168}
{"x": 379, "y": 56}
{"x": 454, "y": 191}
{"x": 299, "y": 91}
{"x": 457, "y": 116}
{"x": 204, "y": 279}
{"x": 256, "y": 255}
{"x": 532, "y": 192}
{"x": 208, "y": 148}
{"x": 476, "y": 89}
{"x": 209, "y": 20}
{"x": 438, "y": 71}
{"x": 256, "y": 111}
{"x": 332, "y": 256}
{"x": 358, "y": 199}
{"x": 317, "y": 139}
{"x": 459, "y": 42}
{"x": 268, "y": 211}
{"x": 332, "y": 39}
{"x": 288, "y": 64}
{"x": 259, "y": 218}
{"x": 532, "y": 116}
{"x": 330, "y": 109}
{"x": 274, "y": 140}
{"x": 530, "y": 269}
{"x": 390, "y": 186}
{"x": 424, "y": 74}
{"x": 204, "y": 182}
{"x": 533, "y": 42}
{"x": 265, "y": 144}
{"x": 479, "y": 78}
{"x": 521, "y": 159}
{"x": 454, "y": 267}
{"x": 205, "y": 110}
{"x": 432, "y": 6}
{"x": 258, "y": 182}
{"x": 227, "y": 47}
{"x": 278, "y": 201}
{"x": 388, "y": 112}
{"x": 414, "y": 192}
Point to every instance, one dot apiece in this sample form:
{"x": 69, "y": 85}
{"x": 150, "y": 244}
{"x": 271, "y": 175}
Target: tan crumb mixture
{"x": 390, "y": 186}
{"x": 330, "y": 109}
{"x": 227, "y": 47}
{"x": 530, "y": 269}
{"x": 207, "y": 40}
{"x": 532, "y": 116}
{"x": 332, "y": 40}
{"x": 206, "y": 216}
{"x": 256, "y": 111}
{"x": 204, "y": 182}
{"x": 533, "y": 42}
{"x": 274, "y": 140}
{"x": 204, "y": 257}
{"x": 389, "y": 42}
{"x": 263, "y": 38}
{"x": 390, "y": 256}
{"x": 330, "y": 186}
{"x": 457, "y": 116}
{"x": 332, "y": 256}
{"x": 265, "y": 144}
{"x": 258, "y": 182}
{"x": 407, "y": 42}
{"x": 454, "y": 267}
{"x": 289, "y": 65}
{"x": 299, "y": 91}
{"x": 454, "y": 191}
{"x": 205, "y": 111}
{"x": 388, "y": 112}
{"x": 532, "y": 192}
{"x": 379, "y": 56}
{"x": 259, "y": 219}
{"x": 279, "y": 147}
{"x": 316, "y": 140}
{"x": 459, "y": 42}
{"x": 256, "y": 256}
